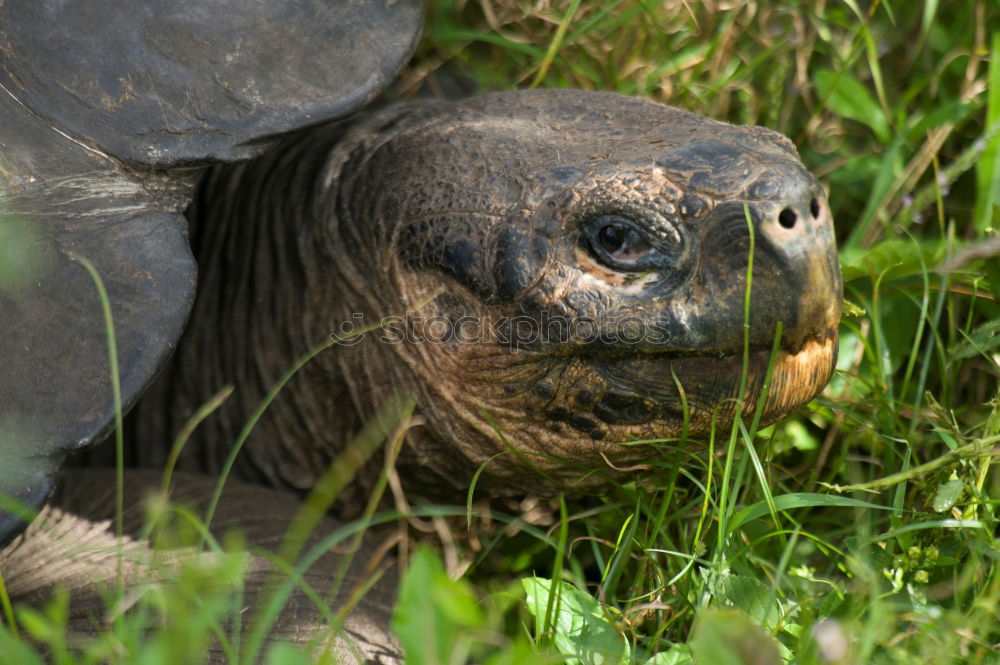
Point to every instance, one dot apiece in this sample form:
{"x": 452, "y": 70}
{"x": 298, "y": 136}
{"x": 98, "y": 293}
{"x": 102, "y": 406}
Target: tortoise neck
{"x": 290, "y": 249}
{"x": 254, "y": 315}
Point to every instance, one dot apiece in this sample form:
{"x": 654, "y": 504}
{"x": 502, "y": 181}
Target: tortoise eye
{"x": 622, "y": 243}
{"x": 612, "y": 238}
{"x": 617, "y": 244}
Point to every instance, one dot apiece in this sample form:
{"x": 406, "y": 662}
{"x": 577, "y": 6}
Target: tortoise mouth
{"x": 656, "y": 393}
{"x": 798, "y": 377}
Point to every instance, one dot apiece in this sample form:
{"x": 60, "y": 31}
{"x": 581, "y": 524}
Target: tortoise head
{"x": 568, "y": 272}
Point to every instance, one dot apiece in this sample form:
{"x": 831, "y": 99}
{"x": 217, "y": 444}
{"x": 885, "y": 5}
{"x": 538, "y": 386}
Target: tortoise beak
{"x": 795, "y": 277}
{"x": 799, "y": 230}
{"x": 795, "y": 281}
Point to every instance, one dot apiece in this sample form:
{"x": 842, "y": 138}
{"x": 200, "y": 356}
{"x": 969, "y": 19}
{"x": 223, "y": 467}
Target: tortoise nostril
{"x": 814, "y": 208}
{"x": 787, "y": 218}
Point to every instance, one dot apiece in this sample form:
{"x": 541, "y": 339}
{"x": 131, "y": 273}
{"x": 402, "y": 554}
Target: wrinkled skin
{"x": 617, "y": 226}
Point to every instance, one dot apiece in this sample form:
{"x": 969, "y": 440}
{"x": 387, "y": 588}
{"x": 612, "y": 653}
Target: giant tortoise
{"x": 550, "y": 274}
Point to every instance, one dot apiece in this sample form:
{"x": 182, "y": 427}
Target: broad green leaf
{"x": 847, "y": 97}
{"x": 947, "y": 495}
{"x": 730, "y": 637}
{"x": 434, "y": 612}
{"x": 14, "y": 650}
{"x": 800, "y": 436}
{"x": 749, "y": 595}
{"x": 520, "y": 653}
{"x": 895, "y": 258}
{"x": 581, "y": 631}
{"x": 677, "y": 654}
{"x": 952, "y": 112}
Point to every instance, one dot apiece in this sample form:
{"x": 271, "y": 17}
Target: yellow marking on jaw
{"x": 800, "y": 376}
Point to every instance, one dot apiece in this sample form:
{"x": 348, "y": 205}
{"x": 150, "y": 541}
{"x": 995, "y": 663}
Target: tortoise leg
{"x": 73, "y": 545}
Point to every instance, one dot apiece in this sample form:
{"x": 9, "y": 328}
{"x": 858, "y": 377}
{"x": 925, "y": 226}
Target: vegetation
{"x": 862, "y": 530}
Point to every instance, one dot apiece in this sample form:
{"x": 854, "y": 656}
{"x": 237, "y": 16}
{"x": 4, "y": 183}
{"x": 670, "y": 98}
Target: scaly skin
{"x": 488, "y": 218}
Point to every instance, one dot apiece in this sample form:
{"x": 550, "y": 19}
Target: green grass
{"x": 867, "y": 521}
